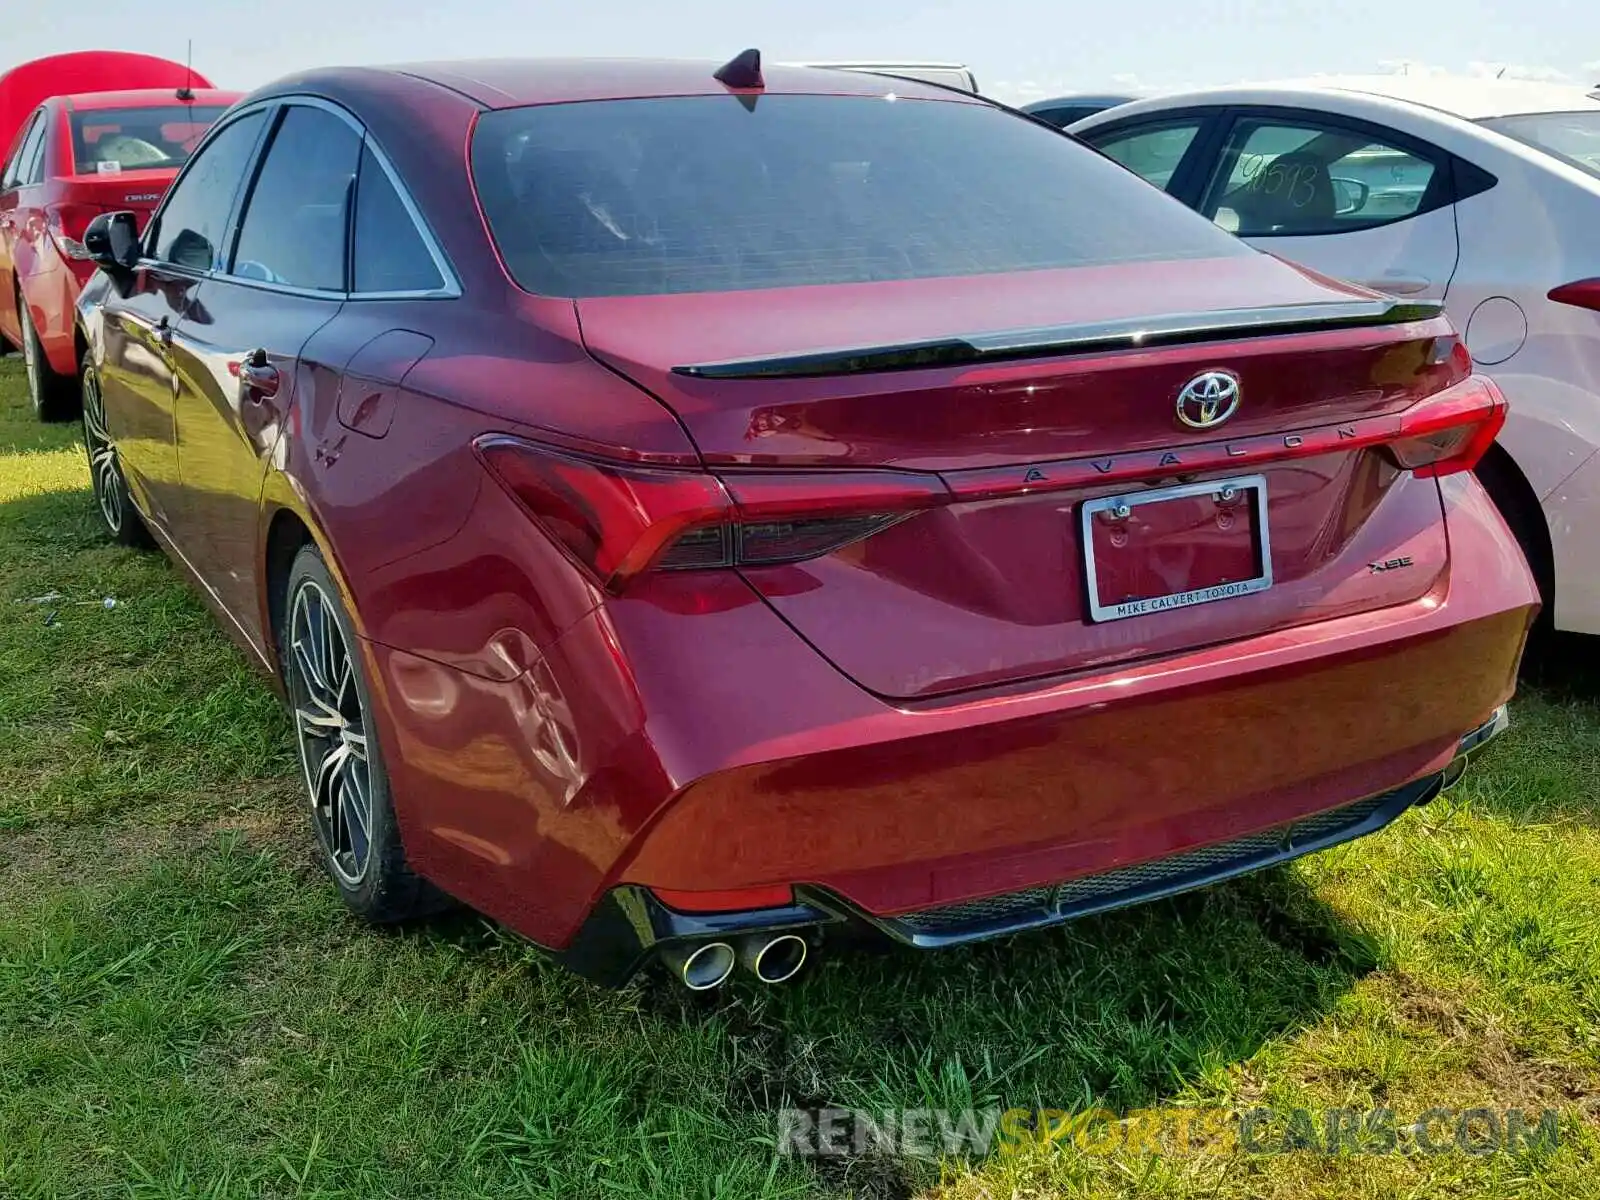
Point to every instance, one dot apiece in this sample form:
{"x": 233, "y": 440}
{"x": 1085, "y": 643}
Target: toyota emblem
{"x": 1208, "y": 400}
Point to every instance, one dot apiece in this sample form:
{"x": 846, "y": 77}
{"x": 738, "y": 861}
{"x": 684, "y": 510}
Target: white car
{"x": 1484, "y": 194}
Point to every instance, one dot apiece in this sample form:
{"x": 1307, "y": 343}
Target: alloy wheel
{"x": 331, "y": 728}
{"x": 107, "y": 474}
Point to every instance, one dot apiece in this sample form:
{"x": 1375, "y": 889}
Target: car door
{"x": 1350, "y": 199}
{"x": 284, "y": 278}
{"x": 16, "y": 181}
{"x": 145, "y": 313}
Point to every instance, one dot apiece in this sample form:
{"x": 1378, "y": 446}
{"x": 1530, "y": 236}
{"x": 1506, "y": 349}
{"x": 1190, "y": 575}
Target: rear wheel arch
{"x": 55, "y": 397}
{"x": 286, "y": 534}
{"x": 1519, "y": 504}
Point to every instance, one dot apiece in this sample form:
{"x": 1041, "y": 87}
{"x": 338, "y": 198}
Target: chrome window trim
{"x": 451, "y": 289}
{"x": 242, "y": 204}
{"x": 33, "y": 170}
{"x": 153, "y": 226}
{"x": 13, "y": 172}
{"x": 452, "y": 286}
{"x": 146, "y": 263}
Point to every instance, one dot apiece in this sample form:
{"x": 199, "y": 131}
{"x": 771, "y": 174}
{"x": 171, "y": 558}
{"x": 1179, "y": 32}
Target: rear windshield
{"x": 107, "y": 140}
{"x": 723, "y": 193}
{"x": 1573, "y": 137}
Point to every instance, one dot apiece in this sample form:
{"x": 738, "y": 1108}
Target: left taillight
{"x": 67, "y": 223}
{"x": 618, "y": 520}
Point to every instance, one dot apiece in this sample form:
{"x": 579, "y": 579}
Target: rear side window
{"x": 1152, "y": 153}
{"x": 109, "y": 140}
{"x": 1294, "y": 180}
{"x": 189, "y": 230}
{"x": 1573, "y": 137}
{"x": 293, "y": 229}
{"x": 390, "y": 255}
{"x": 17, "y": 171}
{"x": 33, "y": 162}
{"x": 714, "y": 193}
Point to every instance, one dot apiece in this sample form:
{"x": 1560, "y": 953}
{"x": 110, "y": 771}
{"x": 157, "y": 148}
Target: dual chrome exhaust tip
{"x": 771, "y": 958}
{"x": 1499, "y": 721}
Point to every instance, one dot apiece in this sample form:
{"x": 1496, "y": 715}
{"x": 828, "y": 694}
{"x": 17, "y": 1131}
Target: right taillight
{"x": 67, "y": 223}
{"x": 1451, "y": 430}
{"x": 1582, "y": 293}
{"x": 618, "y": 519}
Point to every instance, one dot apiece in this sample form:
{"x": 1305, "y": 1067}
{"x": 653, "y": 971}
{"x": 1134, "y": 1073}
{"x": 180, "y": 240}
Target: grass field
{"x": 185, "y": 1010}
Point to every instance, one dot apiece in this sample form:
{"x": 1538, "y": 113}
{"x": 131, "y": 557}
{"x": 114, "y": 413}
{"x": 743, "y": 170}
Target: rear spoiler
{"x": 1097, "y": 337}
{"x": 955, "y": 76}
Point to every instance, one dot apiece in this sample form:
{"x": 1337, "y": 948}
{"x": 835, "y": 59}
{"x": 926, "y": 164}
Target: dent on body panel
{"x": 441, "y": 561}
{"x": 534, "y": 769}
{"x": 450, "y": 566}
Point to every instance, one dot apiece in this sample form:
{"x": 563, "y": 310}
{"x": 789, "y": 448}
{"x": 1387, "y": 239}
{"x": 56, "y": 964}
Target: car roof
{"x": 1468, "y": 96}
{"x": 147, "y": 98}
{"x": 1072, "y": 99}
{"x": 512, "y": 82}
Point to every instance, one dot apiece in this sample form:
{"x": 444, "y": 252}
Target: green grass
{"x": 185, "y": 1009}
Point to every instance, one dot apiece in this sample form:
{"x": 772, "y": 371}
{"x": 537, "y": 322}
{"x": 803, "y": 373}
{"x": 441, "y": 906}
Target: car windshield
{"x": 1573, "y": 137}
{"x": 107, "y": 140}
{"x": 724, "y": 193}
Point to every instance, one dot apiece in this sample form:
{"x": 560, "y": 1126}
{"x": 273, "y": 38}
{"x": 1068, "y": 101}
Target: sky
{"x": 1021, "y": 50}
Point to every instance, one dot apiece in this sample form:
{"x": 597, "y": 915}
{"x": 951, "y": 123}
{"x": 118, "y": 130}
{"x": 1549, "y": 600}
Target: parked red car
{"x": 72, "y": 157}
{"x": 689, "y": 509}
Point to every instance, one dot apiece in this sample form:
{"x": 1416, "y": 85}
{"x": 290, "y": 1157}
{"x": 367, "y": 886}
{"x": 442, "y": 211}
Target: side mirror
{"x": 112, "y": 241}
{"x": 1350, "y": 196}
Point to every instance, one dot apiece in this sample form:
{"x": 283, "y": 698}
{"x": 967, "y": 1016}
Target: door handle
{"x": 164, "y": 331}
{"x": 1400, "y": 284}
{"x": 258, "y": 378}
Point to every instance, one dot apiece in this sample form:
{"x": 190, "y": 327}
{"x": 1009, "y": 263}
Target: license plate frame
{"x": 1121, "y": 611}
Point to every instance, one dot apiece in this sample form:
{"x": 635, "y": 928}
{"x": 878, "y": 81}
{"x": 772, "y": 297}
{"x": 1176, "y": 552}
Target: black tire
{"x": 330, "y": 703}
{"x": 111, "y": 496}
{"x": 54, "y": 397}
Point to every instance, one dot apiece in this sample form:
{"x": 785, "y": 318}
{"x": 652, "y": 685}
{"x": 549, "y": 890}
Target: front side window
{"x": 710, "y": 193}
{"x": 1152, "y": 153}
{"x": 1573, "y": 137}
{"x": 390, "y": 255}
{"x": 189, "y": 230}
{"x": 17, "y": 169}
{"x": 1288, "y": 179}
{"x": 293, "y": 229}
{"x": 109, "y": 140}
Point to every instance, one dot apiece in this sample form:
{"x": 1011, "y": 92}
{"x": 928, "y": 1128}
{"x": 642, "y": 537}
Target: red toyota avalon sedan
{"x": 689, "y": 509}
{"x": 72, "y": 158}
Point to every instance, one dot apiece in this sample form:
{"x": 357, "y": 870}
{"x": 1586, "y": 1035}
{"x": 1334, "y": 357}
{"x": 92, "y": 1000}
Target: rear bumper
{"x": 630, "y": 925}
{"x": 691, "y": 741}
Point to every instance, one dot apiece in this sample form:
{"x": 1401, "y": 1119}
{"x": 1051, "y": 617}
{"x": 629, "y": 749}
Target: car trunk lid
{"x": 1082, "y": 520}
